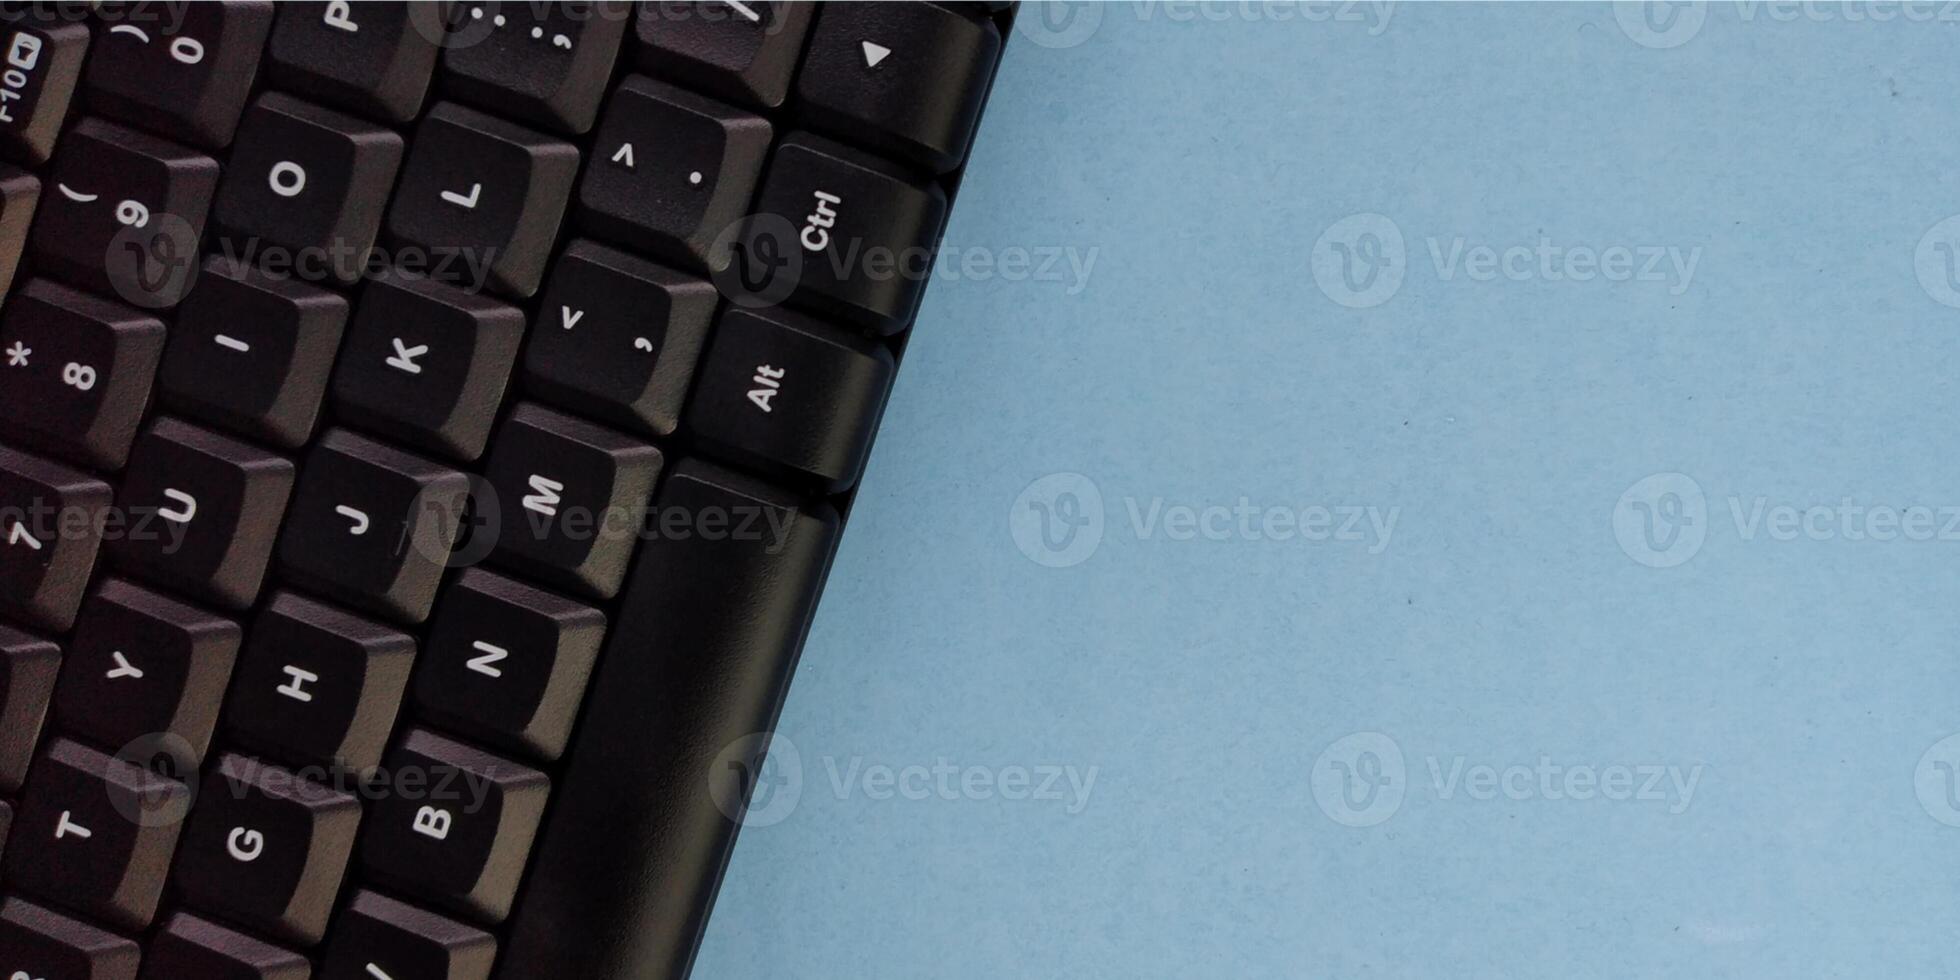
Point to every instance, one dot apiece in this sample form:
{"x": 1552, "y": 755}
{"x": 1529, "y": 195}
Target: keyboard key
{"x": 252, "y": 352}
{"x": 790, "y": 396}
{"x": 51, "y": 521}
{"x": 671, "y": 171}
{"x": 28, "y": 667}
{"x": 863, "y": 231}
{"x": 379, "y": 937}
{"x": 370, "y": 58}
{"x": 187, "y": 75}
{"x": 305, "y": 188}
{"x": 142, "y": 664}
{"x": 203, "y": 512}
{"x": 75, "y": 372}
{"x": 507, "y": 664}
{"x": 318, "y": 686}
{"x": 483, "y": 198}
{"x": 372, "y": 526}
{"x": 617, "y": 338}
{"x": 744, "y": 52}
{"x": 709, "y": 629}
{"x": 427, "y": 364}
{"x": 570, "y": 497}
{"x": 267, "y": 849}
{"x": 103, "y": 831}
{"x": 44, "y": 62}
{"x": 43, "y": 945}
{"x": 19, "y": 192}
{"x": 905, "y": 79}
{"x": 188, "y": 946}
{"x": 545, "y": 64}
{"x": 456, "y": 825}
{"x": 125, "y": 213}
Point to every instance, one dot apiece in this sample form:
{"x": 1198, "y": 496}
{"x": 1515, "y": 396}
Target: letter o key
{"x": 287, "y": 178}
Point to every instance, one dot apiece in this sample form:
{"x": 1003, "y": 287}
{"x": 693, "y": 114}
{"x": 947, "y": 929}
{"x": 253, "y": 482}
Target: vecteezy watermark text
{"x": 1664, "y": 519}
{"x": 1362, "y": 779}
{"x": 759, "y": 779}
{"x": 1067, "y": 23}
{"x": 1060, "y": 520}
{"x": 1362, "y": 260}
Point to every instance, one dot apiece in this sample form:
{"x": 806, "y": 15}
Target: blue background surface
{"x": 1515, "y": 425}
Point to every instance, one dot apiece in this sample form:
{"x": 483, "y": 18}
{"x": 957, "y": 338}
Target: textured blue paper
{"x": 1550, "y": 590}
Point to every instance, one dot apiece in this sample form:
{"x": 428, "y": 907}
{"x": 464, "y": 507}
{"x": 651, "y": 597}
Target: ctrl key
{"x": 43, "y": 945}
{"x": 379, "y": 937}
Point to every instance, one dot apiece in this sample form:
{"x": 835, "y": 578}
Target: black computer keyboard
{"x": 424, "y": 433}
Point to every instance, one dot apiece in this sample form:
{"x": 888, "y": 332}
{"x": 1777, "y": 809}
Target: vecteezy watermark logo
{"x": 1662, "y": 520}
{"x": 1660, "y": 24}
{"x": 1059, "y": 23}
{"x": 1360, "y": 260}
{"x": 1936, "y": 262}
{"x": 756, "y": 780}
{"x": 951, "y": 782}
{"x": 757, "y": 260}
{"x": 1936, "y": 781}
{"x": 1362, "y": 779}
{"x": 1058, "y": 520}
{"x": 1067, "y": 23}
{"x": 1359, "y": 781}
{"x": 151, "y": 257}
{"x": 165, "y": 798}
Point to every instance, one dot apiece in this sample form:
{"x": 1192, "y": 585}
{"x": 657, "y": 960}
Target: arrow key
{"x": 905, "y": 79}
